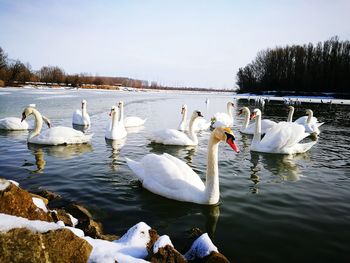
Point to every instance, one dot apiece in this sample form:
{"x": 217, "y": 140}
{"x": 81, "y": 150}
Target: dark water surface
{"x": 273, "y": 208}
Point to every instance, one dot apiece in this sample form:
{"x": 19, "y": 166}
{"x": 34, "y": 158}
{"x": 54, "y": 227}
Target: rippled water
{"x": 273, "y": 208}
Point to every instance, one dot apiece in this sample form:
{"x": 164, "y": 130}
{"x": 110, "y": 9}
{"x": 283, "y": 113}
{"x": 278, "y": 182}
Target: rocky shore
{"x": 31, "y": 230}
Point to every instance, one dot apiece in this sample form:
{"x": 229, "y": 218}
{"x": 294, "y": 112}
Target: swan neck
{"x": 310, "y": 115}
{"x": 229, "y": 109}
{"x": 114, "y": 120}
{"x": 192, "y": 133}
{"x": 212, "y": 177}
{"x": 38, "y": 123}
{"x": 257, "y": 133}
{"x": 83, "y": 111}
{"x": 290, "y": 115}
{"x": 121, "y": 113}
{"x": 184, "y": 116}
{"x": 246, "y": 119}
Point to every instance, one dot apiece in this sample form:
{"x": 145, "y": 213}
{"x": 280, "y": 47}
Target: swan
{"x": 310, "y": 122}
{"x": 200, "y": 124}
{"x": 131, "y": 121}
{"x": 175, "y": 137}
{"x": 55, "y": 135}
{"x": 115, "y": 129}
{"x": 170, "y": 177}
{"x": 282, "y": 138}
{"x": 183, "y": 123}
{"x": 16, "y": 124}
{"x": 223, "y": 118}
{"x": 250, "y": 128}
{"x": 81, "y": 117}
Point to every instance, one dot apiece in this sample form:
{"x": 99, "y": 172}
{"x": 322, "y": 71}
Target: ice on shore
{"x": 201, "y": 248}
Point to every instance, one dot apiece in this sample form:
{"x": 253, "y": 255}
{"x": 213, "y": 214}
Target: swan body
{"x": 175, "y": 137}
{"x": 200, "y": 124}
{"x": 133, "y": 121}
{"x": 283, "y": 138}
{"x": 14, "y": 124}
{"x": 224, "y": 119}
{"x": 55, "y": 135}
{"x": 116, "y": 129}
{"x": 250, "y": 128}
{"x": 172, "y": 178}
{"x": 81, "y": 117}
{"x": 310, "y": 122}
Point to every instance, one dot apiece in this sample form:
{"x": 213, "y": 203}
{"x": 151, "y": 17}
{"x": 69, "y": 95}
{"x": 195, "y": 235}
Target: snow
{"x": 40, "y": 204}
{"x": 73, "y": 220}
{"x": 162, "y": 242}
{"x": 201, "y": 247}
{"x": 8, "y": 222}
{"x": 132, "y": 245}
{"x": 4, "y": 184}
{"x": 14, "y": 182}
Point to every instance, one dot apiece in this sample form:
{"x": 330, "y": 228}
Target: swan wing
{"x": 13, "y": 123}
{"x": 77, "y": 118}
{"x": 266, "y": 124}
{"x": 60, "y": 135}
{"x": 222, "y": 119}
{"x": 171, "y": 137}
{"x": 167, "y": 176}
{"x": 201, "y": 124}
{"x": 133, "y": 121}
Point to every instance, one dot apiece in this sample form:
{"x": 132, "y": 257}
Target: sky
{"x": 192, "y": 43}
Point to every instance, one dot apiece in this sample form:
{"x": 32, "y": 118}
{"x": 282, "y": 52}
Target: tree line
{"x": 16, "y": 73}
{"x": 324, "y": 67}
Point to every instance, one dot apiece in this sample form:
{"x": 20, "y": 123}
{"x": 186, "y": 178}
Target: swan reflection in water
{"x": 135, "y": 129}
{"x": 23, "y": 134}
{"x": 284, "y": 167}
{"x": 64, "y": 152}
{"x": 115, "y": 147}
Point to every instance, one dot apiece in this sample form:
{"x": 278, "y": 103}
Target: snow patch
{"x": 201, "y": 248}
{"x": 162, "y": 242}
{"x": 40, "y": 204}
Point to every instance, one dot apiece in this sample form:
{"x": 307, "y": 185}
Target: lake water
{"x": 273, "y": 208}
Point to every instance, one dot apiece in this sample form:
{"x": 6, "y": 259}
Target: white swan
{"x": 200, "y": 124}
{"x": 170, "y": 177}
{"x": 131, "y": 121}
{"x": 223, "y": 118}
{"x": 282, "y": 138}
{"x": 250, "y": 128}
{"x": 16, "y": 124}
{"x": 175, "y": 137}
{"x": 183, "y": 123}
{"x": 55, "y": 135}
{"x": 310, "y": 122}
{"x": 115, "y": 129}
{"x": 81, "y": 117}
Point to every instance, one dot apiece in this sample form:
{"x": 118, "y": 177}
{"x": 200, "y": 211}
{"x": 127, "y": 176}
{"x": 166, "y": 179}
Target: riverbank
{"x": 33, "y": 224}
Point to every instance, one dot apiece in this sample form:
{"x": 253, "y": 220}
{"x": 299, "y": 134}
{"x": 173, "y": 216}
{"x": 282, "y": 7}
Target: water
{"x": 273, "y": 208}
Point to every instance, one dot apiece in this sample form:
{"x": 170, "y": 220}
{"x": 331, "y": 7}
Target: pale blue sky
{"x": 198, "y": 43}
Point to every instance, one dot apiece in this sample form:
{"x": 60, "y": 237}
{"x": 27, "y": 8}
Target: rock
{"x": 18, "y": 202}
{"x": 22, "y": 245}
{"x": 153, "y": 238}
{"x": 167, "y": 254}
{"x": 61, "y": 215}
{"x": 48, "y": 195}
{"x": 215, "y": 257}
{"x": 40, "y": 197}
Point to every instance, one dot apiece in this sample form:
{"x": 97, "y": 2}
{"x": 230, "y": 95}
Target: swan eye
{"x": 199, "y": 114}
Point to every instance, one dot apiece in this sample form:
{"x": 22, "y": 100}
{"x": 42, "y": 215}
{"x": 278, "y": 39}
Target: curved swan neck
{"x": 38, "y": 123}
{"x": 212, "y": 177}
{"x": 229, "y": 109}
{"x": 192, "y": 134}
{"x": 83, "y": 110}
{"x": 114, "y": 120}
{"x": 184, "y": 116}
{"x": 246, "y": 118}
{"x": 310, "y": 115}
{"x": 290, "y": 115}
{"x": 121, "y": 113}
{"x": 257, "y": 133}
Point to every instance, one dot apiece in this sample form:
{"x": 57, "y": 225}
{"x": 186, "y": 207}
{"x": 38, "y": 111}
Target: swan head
{"x": 113, "y": 110}
{"x": 290, "y": 108}
{"x": 26, "y": 112}
{"x": 226, "y": 134}
{"x": 308, "y": 111}
{"x": 256, "y": 112}
{"x": 243, "y": 109}
{"x": 120, "y": 104}
{"x": 230, "y": 104}
{"x": 183, "y": 109}
{"x": 196, "y": 114}
{"x": 83, "y": 103}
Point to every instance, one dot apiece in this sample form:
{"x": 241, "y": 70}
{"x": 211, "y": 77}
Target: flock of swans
{"x": 165, "y": 174}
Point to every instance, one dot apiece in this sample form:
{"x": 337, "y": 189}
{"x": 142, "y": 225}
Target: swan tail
{"x": 319, "y": 124}
{"x": 304, "y": 147}
{"x": 137, "y": 168}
